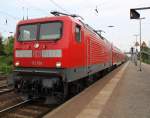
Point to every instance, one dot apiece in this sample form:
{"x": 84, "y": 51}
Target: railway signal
{"x": 135, "y": 15}
{"x": 132, "y": 50}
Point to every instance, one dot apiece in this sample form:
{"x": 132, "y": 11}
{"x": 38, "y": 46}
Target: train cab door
{"x": 87, "y": 52}
{"x": 81, "y": 46}
{"x": 79, "y": 37}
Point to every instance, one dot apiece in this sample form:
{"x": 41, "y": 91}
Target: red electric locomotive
{"x": 51, "y": 54}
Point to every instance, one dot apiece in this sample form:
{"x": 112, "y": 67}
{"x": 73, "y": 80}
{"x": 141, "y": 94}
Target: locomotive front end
{"x": 40, "y": 57}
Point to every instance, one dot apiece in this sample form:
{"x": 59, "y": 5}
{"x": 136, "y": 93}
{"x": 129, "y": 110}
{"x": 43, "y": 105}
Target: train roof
{"x": 63, "y": 17}
{"x": 117, "y": 49}
{"x": 44, "y": 19}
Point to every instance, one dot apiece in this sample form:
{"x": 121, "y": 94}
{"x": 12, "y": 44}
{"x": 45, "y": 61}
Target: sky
{"x": 110, "y": 12}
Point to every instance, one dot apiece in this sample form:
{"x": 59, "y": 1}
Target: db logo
{"x": 37, "y": 53}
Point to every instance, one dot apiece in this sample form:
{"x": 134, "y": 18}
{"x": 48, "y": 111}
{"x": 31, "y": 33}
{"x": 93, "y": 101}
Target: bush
{"x": 6, "y": 64}
{"x": 6, "y": 56}
{"x": 8, "y": 49}
{"x": 1, "y": 47}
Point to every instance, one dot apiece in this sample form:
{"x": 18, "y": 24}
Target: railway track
{"x": 8, "y": 99}
{"x": 3, "y": 83}
{"x": 27, "y": 109}
{"x": 5, "y": 89}
{"x": 3, "y": 78}
{"x": 12, "y": 106}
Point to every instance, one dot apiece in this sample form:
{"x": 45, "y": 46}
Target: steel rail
{"x": 3, "y": 86}
{"x": 3, "y": 91}
{"x": 14, "y": 106}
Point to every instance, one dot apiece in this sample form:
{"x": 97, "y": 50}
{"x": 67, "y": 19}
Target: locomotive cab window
{"x": 50, "y": 31}
{"x": 41, "y": 31}
{"x": 78, "y": 33}
{"x": 27, "y": 32}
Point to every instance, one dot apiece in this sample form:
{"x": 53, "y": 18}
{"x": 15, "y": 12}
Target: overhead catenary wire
{"x": 9, "y": 15}
{"x": 45, "y": 11}
{"x": 39, "y": 9}
{"x": 58, "y": 6}
{"x": 7, "y": 21}
{"x": 30, "y": 7}
{"x": 35, "y": 8}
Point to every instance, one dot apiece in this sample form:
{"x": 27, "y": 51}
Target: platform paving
{"x": 131, "y": 97}
{"x": 124, "y": 93}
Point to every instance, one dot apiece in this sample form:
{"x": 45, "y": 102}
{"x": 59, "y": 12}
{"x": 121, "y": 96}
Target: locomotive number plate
{"x": 37, "y": 63}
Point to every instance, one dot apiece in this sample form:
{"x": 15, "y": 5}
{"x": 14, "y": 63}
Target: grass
{"x": 6, "y": 64}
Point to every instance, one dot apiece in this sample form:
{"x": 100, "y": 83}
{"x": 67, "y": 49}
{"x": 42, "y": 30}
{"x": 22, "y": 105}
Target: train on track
{"x": 55, "y": 56}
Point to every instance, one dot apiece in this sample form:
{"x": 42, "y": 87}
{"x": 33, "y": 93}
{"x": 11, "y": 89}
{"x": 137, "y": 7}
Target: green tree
{"x": 145, "y": 54}
{"x": 8, "y": 49}
{"x": 1, "y": 47}
{"x": 9, "y": 46}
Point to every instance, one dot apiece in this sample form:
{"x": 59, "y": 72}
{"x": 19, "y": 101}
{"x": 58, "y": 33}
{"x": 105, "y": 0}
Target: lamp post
{"x": 140, "y": 20}
{"x": 111, "y": 26}
{"x": 136, "y": 42}
{"x": 136, "y": 51}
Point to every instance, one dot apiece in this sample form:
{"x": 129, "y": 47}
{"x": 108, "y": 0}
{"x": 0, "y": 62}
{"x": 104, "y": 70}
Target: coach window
{"x": 78, "y": 33}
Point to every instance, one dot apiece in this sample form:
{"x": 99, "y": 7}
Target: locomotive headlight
{"x": 36, "y": 45}
{"x": 58, "y": 64}
{"x": 17, "y": 64}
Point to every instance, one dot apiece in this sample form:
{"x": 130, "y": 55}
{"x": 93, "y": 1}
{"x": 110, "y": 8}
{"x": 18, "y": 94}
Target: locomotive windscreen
{"x": 50, "y": 31}
{"x": 42, "y": 31}
{"x": 27, "y": 32}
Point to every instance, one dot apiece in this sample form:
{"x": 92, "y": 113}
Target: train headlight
{"x": 17, "y": 64}
{"x": 58, "y": 64}
{"x": 36, "y": 45}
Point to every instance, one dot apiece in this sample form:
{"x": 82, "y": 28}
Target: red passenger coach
{"x": 52, "y": 54}
{"x": 117, "y": 56}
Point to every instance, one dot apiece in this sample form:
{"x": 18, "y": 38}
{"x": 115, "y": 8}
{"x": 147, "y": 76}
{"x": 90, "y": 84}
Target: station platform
{"x": 123, "y": 93}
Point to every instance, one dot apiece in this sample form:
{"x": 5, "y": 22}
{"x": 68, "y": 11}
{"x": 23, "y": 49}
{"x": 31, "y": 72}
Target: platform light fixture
{"x": 134, "y": 14}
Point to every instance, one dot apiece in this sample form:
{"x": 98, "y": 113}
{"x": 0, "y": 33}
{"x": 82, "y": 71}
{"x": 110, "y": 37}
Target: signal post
{"x": 135, "y": 15}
